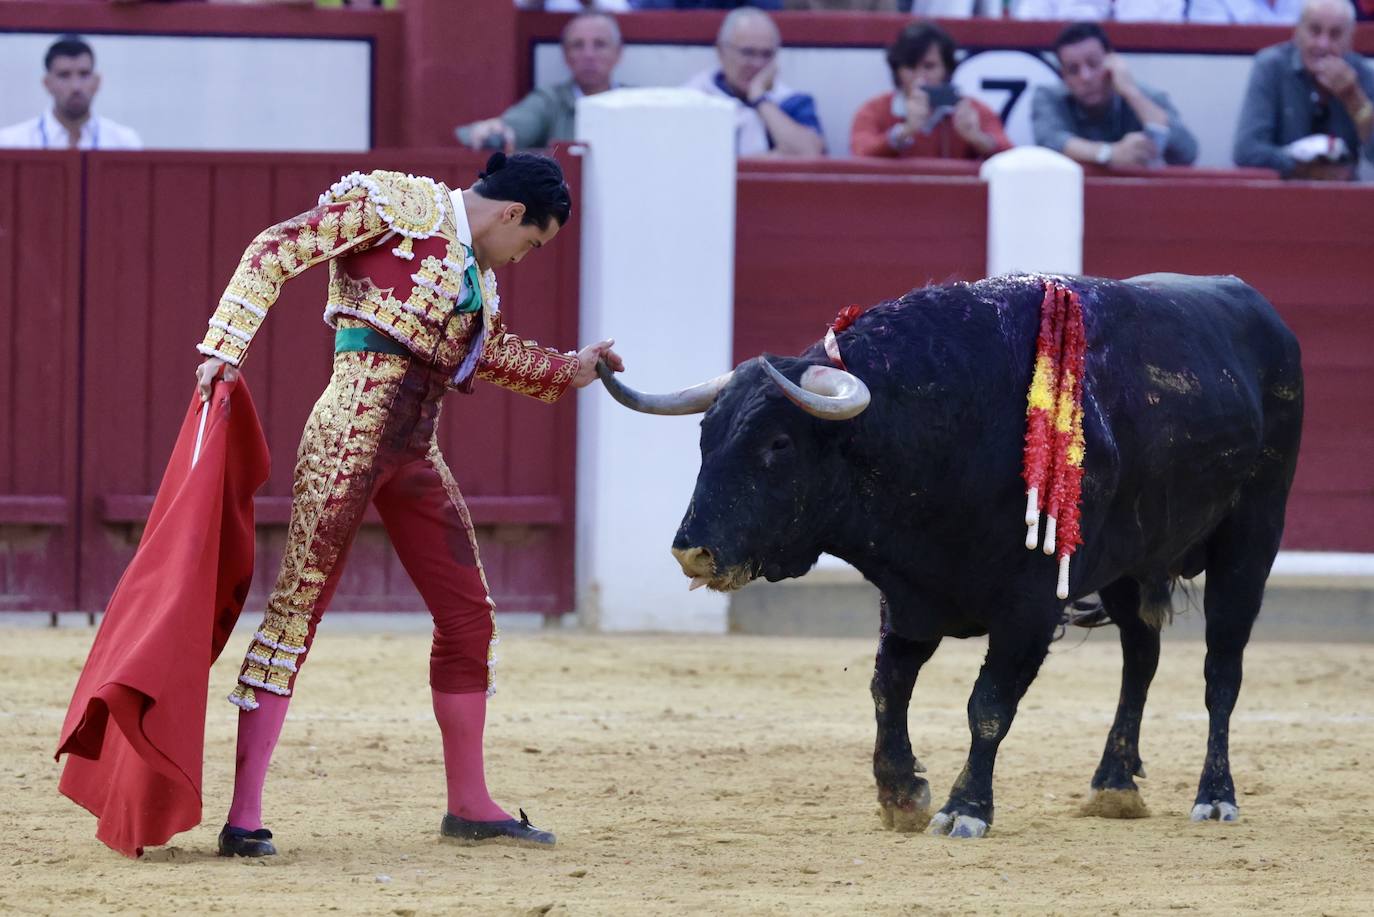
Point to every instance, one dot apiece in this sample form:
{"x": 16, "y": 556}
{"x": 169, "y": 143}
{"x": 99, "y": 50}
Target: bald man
{"x": 1307, "y": 110}
{"x": 771, "y": 118}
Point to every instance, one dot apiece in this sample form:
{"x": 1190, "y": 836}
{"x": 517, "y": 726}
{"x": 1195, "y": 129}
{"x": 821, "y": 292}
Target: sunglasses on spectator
{"x": 759, "y": 55}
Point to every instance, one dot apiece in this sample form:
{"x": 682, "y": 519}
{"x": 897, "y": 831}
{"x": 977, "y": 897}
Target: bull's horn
{"x": 694, "y": 400}
{"x": 825, "y": 392}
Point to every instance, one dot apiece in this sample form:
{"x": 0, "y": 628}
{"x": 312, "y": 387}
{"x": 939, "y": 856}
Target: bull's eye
{"x": 781, "y": 442}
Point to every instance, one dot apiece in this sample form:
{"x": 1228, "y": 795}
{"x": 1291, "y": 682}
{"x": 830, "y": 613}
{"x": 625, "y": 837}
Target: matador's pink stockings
{"x": 462, "y": 718}
{"x": 258, "y": 733}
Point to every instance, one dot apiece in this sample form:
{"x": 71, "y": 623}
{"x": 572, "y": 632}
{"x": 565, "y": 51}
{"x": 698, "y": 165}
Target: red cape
{"x": 135, "y": 730}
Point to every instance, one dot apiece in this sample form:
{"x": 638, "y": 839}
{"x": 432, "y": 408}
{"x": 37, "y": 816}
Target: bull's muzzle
{"x": 696, "y": 563}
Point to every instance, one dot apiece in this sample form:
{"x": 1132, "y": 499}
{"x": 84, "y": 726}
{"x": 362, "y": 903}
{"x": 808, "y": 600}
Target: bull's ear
{"x": 825, "y": 392}
{"x": 694, "y": 400}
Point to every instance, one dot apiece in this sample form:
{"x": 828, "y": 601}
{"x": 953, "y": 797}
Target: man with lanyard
{"x": 72, "y": 81}
{"x": 412, "y": 299}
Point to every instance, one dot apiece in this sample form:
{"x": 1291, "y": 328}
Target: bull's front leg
{"x": 903, "y": 797}
{"x": 1014, "y": 657}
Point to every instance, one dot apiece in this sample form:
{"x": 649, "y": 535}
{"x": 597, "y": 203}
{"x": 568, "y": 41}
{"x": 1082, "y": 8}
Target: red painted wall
{"x": 40, "y": 225}
{"x": 806, "y": 245}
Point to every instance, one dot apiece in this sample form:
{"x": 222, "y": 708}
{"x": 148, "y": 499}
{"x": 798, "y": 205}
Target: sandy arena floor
{"x": 730, "y": 775}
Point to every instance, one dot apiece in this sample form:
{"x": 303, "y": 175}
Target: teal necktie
{"x": 473, "y": 301}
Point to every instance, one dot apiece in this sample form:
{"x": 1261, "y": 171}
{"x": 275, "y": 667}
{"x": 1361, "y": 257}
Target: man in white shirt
{"x": 72, "y": 82}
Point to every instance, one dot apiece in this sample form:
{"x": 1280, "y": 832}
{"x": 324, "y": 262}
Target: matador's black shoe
{"x": 240, "y": 842}
{"x": 520, "y": 833}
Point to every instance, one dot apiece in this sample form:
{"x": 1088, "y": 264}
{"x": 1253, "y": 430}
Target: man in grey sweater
{"x": 591, "y": 47}
{"x": 1307, "y": 110}
{"x": 1101, "y": 114}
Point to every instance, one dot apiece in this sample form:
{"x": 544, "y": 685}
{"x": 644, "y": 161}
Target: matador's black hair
{"x": 530, "y": 179}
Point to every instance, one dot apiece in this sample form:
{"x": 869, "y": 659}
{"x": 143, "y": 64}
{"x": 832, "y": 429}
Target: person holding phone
{"x": 1100, "y": 114}
{"x": 925, "y": 115}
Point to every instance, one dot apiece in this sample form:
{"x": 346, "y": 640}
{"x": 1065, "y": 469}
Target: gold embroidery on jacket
{"x": 355, "y": 214}
{"x": 330, "y": 490}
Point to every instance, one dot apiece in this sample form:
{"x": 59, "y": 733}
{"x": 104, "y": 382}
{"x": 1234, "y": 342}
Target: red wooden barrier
{"x": 1307, "y": 248}
{"x": 164, "y": 234}
{"x": 40, "y": 233}
{"x": 808, "y": 245}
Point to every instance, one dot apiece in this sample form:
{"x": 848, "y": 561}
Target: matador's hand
{"x": 207, "y": 371}
{"x": 587, "y": 357}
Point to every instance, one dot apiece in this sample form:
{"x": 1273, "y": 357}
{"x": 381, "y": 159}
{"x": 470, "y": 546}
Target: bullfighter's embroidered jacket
{"x": 401, "y": 261}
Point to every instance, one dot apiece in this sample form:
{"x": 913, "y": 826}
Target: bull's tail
{"x": 1156, "y": 607}
{"x": 1157, "y": 602}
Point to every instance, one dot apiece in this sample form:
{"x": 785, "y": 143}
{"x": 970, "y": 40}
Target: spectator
{"x": 577, "y": 6}
{"x": 1245, "y": 12}
{"x": 72, "y": 81}
{"x": 952, "y": 9}
{"x": 922, "y": 118}
{"x": 1100, "y": 10}
{"x": 591, "y": 47}
{"x": 1307, "y": 110}
{"x": 704, "y": 4}
{"x": 1101, "y": 115}
{"x": 842, "y": 6}
{"x": 770, "y": 117}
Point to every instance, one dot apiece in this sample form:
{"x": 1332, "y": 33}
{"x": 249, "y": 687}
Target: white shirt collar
{"x": 55, "y": 134}
{"x": 460, "y": 217}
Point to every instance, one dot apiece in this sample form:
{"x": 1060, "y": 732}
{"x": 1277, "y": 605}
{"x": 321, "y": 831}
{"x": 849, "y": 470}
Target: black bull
{"x": 1192, "y": 418}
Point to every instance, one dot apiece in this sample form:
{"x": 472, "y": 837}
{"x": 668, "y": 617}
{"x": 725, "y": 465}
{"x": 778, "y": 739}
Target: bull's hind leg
{"x": 1239, "y": 556}
{"x": 1115, "y": 794}
{"x": 1014, "y": 656}
{"x": 903, "y": 797}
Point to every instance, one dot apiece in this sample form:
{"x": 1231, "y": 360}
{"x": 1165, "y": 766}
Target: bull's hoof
{"x": 905, "y": 812}
{"x": 1216, "y": 810}
{"x": 1115, "y": 804}
{"x": 946, "y": 825}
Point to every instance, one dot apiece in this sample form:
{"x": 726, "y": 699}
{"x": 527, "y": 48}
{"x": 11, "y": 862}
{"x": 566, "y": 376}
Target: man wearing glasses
{"x": 770, "y": 117}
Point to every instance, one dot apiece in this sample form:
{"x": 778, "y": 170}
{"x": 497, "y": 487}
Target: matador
{"x": 415, "y": 312}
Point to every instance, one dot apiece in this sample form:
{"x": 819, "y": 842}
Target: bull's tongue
{"x": 698, "y": 582}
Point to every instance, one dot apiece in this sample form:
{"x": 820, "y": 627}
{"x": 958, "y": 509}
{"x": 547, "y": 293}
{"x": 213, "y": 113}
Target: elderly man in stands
{"x": 1101, "y": 114}
{"x": 591, "y": 47}
{"x": 1307, "y": 109}
{"x": 770, "y": 117}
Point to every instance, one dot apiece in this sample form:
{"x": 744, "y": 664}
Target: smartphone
{"x": 942, "y": 96}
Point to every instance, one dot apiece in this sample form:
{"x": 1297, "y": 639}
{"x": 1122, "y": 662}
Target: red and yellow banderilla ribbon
{"x": 1053, "y": 464}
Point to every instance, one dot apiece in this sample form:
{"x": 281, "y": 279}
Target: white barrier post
{"x": 658, "y": 243}
{"x": 1035, "y": 212}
